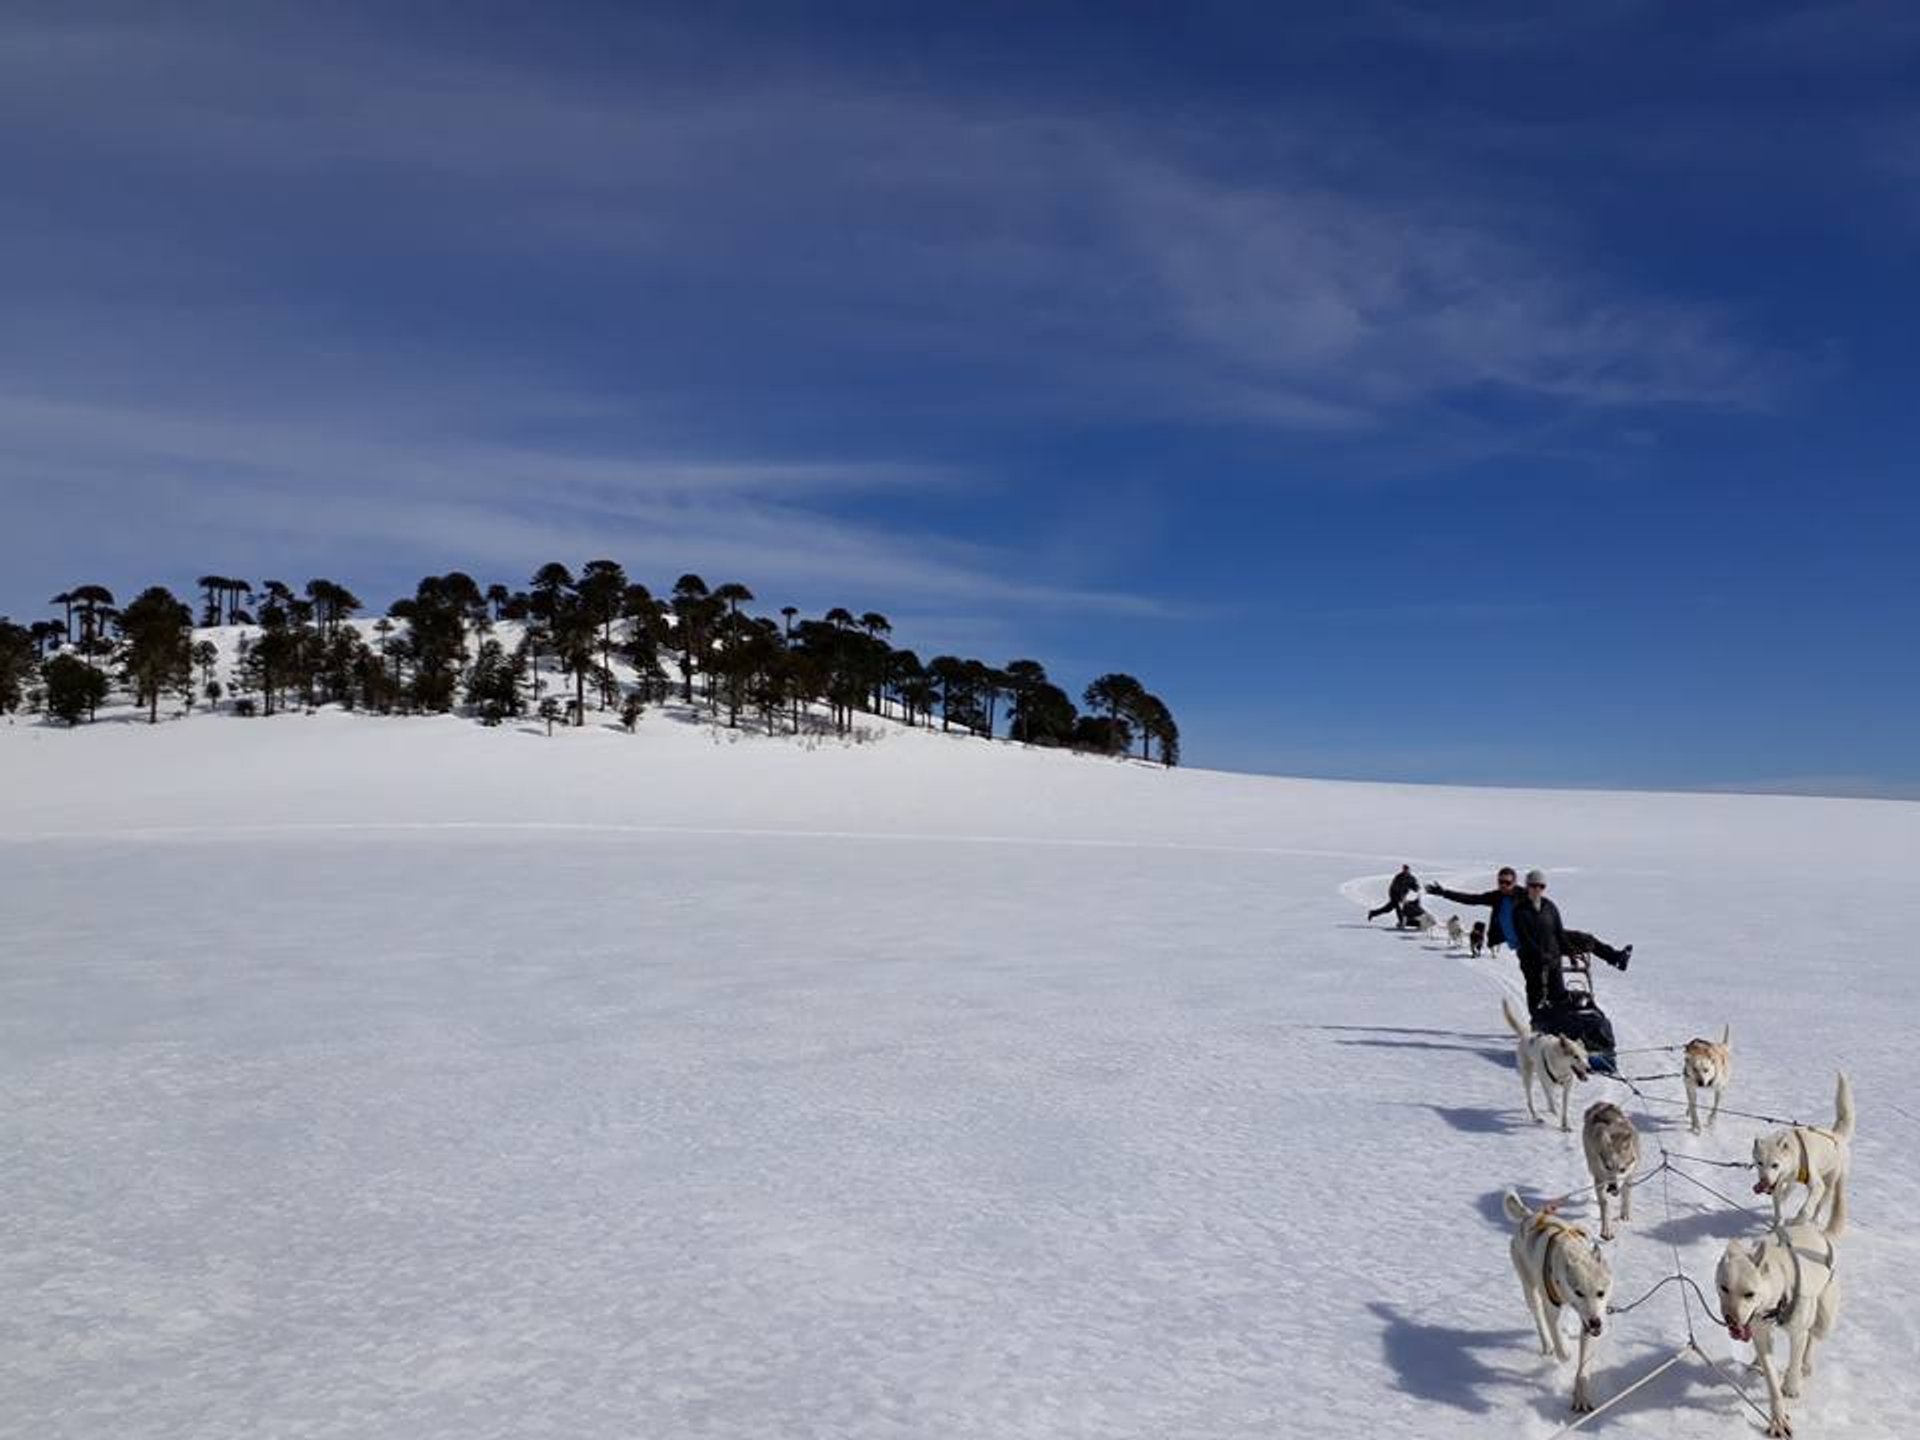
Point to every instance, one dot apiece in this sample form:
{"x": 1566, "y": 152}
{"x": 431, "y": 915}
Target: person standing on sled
{"x": 1402, "y": 885}
{"x": 1539, "y": 940}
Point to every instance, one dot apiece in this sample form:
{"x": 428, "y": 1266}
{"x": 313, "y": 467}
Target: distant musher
{"x": 1402, "y": 885}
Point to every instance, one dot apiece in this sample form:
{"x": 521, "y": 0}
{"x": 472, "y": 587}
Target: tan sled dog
{"x": 1560, "y": 1267}
{"x": 1613, "y": 1154}
{"x": 1557, "y": 1060}
{"x": 1809, "y": 1156}
{"x": 1708, "y": 1065}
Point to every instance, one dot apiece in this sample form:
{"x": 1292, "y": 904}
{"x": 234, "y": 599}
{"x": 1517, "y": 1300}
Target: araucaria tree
{"x": 157, "y": 652}
{"x": 18, "y": 649}
{"x": 440, "y": 646}
{"x": 74, "y": 689}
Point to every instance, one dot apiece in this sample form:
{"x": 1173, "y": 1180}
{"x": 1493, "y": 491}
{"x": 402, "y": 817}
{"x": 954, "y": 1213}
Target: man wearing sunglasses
{"x": 1498, "y": 901}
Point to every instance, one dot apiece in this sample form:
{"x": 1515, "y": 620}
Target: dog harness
{"x": 1782, "y": 1314}
{"x": 1806, "y": 1167}
{"x": 1547, "y": 1065}
{"x": 1555, "y": 1231}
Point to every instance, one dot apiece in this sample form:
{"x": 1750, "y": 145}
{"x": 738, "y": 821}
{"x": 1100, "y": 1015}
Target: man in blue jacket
{"x": 1499, "y": 903}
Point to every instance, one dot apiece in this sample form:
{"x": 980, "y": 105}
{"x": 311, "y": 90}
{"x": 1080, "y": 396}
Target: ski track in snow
{"x": 471, "y": 1109}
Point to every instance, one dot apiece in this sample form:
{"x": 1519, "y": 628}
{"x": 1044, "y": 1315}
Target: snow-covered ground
{"x": 404, "y": 1078}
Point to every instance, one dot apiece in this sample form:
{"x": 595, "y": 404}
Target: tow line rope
{"x": 1692, "y": 1347}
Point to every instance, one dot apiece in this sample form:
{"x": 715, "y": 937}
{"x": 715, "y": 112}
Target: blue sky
{"x": 1511, "y": 394}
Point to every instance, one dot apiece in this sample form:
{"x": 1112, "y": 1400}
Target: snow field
{"x": 404, "y": 1078}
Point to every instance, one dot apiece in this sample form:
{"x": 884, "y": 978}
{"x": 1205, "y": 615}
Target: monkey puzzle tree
{"x": 693, "y": 611}
{"x": 18, "y": 650}
{"x": 1114, "y": 693}
{"x": 158, "y": 652}
{"x": 74, "y": 689}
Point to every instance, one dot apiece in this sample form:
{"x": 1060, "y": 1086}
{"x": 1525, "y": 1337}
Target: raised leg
{"x": 1626, "y": 1200}
{"x": 1606, "y": 1220}
{"x": 1693, "y": 1108}
{"x": 1714, "y": 1114}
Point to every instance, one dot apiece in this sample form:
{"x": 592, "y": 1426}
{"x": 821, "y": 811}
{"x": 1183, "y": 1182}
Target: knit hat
{"x": 1536, "y": 877}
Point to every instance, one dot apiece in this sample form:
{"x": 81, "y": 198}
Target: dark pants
{"x": 1544, "y": 985}
{"x": 1383, "y": 909}
{"x": 1579, "y": 942}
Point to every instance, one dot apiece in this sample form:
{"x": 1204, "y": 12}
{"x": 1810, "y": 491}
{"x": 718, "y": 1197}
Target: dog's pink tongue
{"x": 1759, "y": 1187}
{"x": 1740, "y": 1332}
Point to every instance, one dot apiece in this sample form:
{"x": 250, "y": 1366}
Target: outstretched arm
{"x": 1460, "y": 897}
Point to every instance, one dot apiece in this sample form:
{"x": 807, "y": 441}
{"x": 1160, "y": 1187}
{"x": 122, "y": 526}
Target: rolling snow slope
{"x": 405, "y": 1078}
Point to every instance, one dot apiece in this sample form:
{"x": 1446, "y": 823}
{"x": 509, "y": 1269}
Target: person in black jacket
{"x": 1402, "y": 885}
{"x": 1539, "y": 940}
{"x": 1500, "y": 898}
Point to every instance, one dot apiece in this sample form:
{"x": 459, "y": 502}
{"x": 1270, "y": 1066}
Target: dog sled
{"x": 1578, "y": 1016}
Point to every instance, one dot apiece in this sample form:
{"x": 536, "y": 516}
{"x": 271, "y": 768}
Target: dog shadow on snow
{"x": 1441, "y": 1363}
{"x": 1502, "y": 1056}
{"x": 1714, "y": 1223}
{"x": 1482, "y": 1119}
{"x": 1685, "y": 1387}
{"x": 1407, "y": 1037}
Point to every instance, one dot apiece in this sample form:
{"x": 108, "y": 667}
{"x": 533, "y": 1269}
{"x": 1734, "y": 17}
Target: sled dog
{"x": 1477, "y": 938}
{"x": 1785, "y": 1281}
{"x": 1707, "y": 1065}
{"x": 1559, "y": 1267}
{"x": 1613, "y": 1154}
{"x": 1557, "y": 1060}
{"x": 1806, "y": 1155}
{"x": 1455, "y": 935}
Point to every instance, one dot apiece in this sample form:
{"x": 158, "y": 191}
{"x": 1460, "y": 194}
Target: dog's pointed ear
{"x": 1759, "y": 1254}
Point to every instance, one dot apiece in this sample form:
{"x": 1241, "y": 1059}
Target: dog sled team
{"x": 1782, "y": 1280}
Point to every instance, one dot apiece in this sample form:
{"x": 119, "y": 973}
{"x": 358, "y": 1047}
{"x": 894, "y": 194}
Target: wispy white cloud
{"x": 231, "y": 483}
{"x": 798, "y": 243}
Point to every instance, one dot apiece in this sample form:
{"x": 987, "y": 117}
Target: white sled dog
{"x": 1807, "y": 1155}
{"x": 1558, "y": 1267}
{"x": 1708, "y": 1065}
{"x": 1557, "y": 1060}
{"x": 1613, "y": 1154}
{"x": 1784, "y": 1281}
{"x": 1456, "y": 934}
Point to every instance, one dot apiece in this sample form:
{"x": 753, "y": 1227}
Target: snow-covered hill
{"x": 402, "y": 1077}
